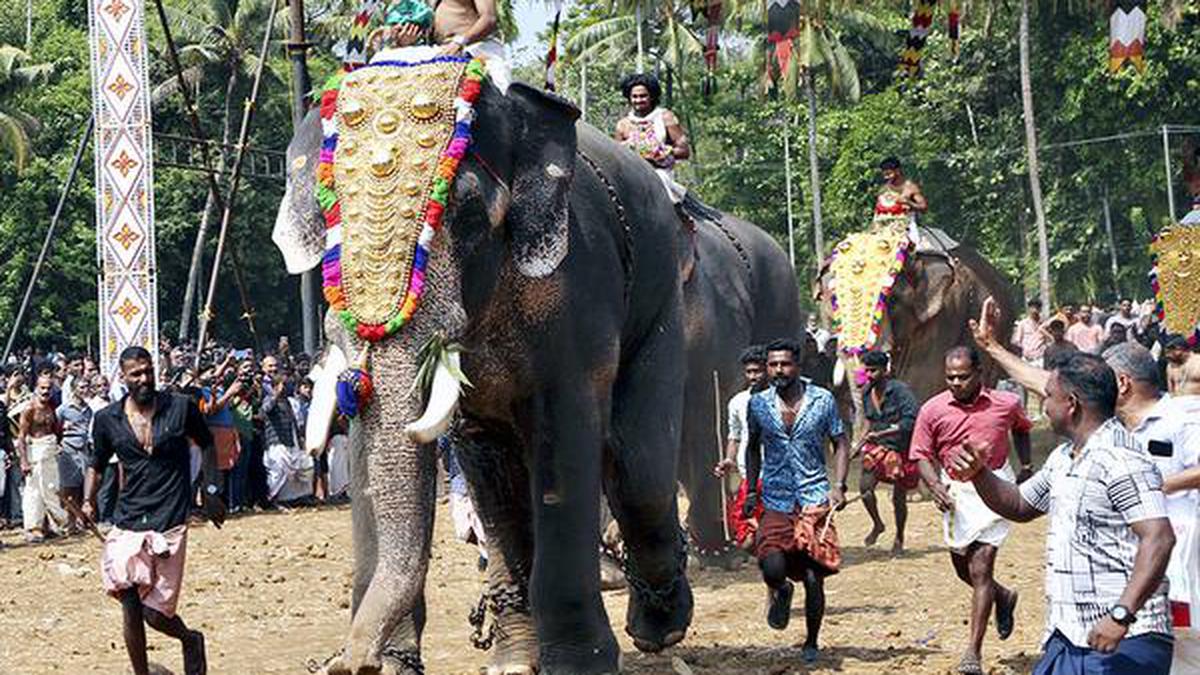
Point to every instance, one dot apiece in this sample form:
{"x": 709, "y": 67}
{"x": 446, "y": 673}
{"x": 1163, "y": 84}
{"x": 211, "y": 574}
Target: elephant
{"x": 560, "y": 270}
{"x": 940, "y": 288}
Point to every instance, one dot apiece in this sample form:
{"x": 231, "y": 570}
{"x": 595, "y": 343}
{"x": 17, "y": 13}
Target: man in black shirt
{"x": 142, "y": 564}
{"x": 891, "y": 411}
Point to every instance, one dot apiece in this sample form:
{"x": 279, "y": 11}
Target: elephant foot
{"x": 658, "y": 616}
{"x": 601, "y": 658}
{"x": 515, "y": 649}
{"x": 391, "y": 661}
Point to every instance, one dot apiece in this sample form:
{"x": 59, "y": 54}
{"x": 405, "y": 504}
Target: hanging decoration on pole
{"x": 953, "y": 27}
{"x": 552, "y": 55}
{"x": 783, "y": 27}
{"x": 128, "y": 289}
{"x": 918, "y": 35}
{"x": 1127, "y": 36}
{"x": 713, "y": 13}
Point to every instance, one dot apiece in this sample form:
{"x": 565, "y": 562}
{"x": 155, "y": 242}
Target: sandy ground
{"x": 272, "y": 591}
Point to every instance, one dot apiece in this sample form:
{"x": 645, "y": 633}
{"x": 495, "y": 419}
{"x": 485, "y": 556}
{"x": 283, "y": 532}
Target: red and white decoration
{"x": 1127, "y": 39}
{"x": 128, "y": 289}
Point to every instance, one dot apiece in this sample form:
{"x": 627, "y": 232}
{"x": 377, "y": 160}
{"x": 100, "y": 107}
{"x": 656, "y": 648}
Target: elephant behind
{"x": 943, "y": 285}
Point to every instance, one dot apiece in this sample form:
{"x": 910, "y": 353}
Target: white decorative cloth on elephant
{"x": 648, "y": 140}
{"x": 972, "y": 521}
{"x": 1174, "y": 277}
{"x": 39, "y": 498}
{"x": 863, "y": 268}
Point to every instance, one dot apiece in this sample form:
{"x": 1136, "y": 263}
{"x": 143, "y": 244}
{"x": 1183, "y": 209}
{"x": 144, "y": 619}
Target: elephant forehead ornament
{"x": 394, "y": 134}
{"x": 1176, "y": 277}
{"x": 863, "y": 268}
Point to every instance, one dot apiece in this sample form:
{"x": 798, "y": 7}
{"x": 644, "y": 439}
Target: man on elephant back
{"x": 458, "y": 27}
{"x": 899, "y": 200}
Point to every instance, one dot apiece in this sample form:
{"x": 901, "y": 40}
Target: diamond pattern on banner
{"x": 128, "y": 289}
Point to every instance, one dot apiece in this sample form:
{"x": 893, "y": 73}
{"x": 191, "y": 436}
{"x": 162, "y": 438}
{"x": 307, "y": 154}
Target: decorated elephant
{"x": 913, "y": 299}
{"x": 548, "y": 267}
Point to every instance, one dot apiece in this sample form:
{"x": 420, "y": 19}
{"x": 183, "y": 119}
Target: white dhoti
{"x": 492, "y": 52}
{"x": 972, "y": 521}
{"x": 675, "y": 191}
{"x": 289, "y": 472}
{"x": 40, "y": 497}
{"x": 339, "y": 464}
{"x": 467, "y": 527}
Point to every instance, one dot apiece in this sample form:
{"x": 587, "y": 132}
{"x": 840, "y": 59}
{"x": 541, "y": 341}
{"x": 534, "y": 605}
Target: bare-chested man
{"x": 900, "y": 196}
{"x": 38, "y": 436}
{"x": 459, "y": 27}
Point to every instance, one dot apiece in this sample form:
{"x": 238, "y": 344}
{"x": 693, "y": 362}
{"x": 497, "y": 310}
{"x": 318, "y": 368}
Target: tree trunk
{"x": 1031, "y": 156}
{"x": 210, "y": 205}
{"x": 814, "y": 170}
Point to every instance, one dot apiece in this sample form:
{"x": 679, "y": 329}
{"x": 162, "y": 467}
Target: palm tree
{"x": 624, "y": 34}
{"x": 217, "y": 41}
{"x": 819, "y": 48}
{"x": 1031, "y": 156}
{"x": 16, "y": 76}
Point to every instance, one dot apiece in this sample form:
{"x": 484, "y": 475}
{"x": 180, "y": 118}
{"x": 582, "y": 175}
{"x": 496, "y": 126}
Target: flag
{"x": 552, "y": 55}
{"x": 1127, "y": 37}
{"x": 783, "y": 27}
{"x": 953, "y": 26}
{"x": 918, "y": 34}
{"x": 712, "y": 44}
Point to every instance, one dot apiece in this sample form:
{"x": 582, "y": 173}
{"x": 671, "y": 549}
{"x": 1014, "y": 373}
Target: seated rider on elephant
{"x": 655, "y": 134}
{"x": 458, "y": 27}
{"x": 899, "y": 200}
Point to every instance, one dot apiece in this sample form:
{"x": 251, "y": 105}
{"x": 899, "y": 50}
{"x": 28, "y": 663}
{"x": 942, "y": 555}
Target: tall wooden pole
{"x": 1166, "y": 138}
{"x": 1031, "y": 157}
{"x": 787, "y": 180}
{"x": 297, "y": 48}
{"x": 1112, "y": 246}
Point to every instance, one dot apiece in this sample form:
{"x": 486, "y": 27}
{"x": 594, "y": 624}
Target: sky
{"x": 533, "y": 17}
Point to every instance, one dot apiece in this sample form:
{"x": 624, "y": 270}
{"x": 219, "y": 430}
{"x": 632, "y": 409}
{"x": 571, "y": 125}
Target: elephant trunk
{"x": 401, "y": 471}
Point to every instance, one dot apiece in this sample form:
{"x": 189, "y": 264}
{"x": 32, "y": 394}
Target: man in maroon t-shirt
{"x": 968, "y": 412}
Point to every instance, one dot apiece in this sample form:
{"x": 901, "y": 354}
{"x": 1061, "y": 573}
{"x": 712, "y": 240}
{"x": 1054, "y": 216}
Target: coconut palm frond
{"x": 843, "y": 70}
{"x": 15, "y": 139}
{"x": 599, "y": 31}
{"x": 169, "y": 87}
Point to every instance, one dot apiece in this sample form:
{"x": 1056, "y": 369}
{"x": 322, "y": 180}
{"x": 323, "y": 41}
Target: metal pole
{"x": 243, "y": 136}
{"x": 787, "y": 180}
{"x": 641, "y": 48}
{"x": 37, "y": 266}
{"x": 1166, "y": 136}
{"x": 1112, "y": 246}
{"x": 297, "y": 47}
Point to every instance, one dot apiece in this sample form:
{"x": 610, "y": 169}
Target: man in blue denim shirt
{"x": 789, "y": 424}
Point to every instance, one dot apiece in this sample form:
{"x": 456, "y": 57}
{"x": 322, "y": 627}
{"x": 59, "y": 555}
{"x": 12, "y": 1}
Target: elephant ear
{"x": 933, "y": 279}
{"x": 299, "y": 231}
{"x": 543, "y": 168}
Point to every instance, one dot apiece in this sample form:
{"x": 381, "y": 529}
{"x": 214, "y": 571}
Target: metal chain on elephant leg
{"x": 615, "y": 198}
{"x": 495, "y": 601}
{"x": 407, "y": 658}
{"x": 658, "y": 598}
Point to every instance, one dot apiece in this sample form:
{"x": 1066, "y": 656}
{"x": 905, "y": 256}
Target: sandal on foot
{"x": 780, "y": 610}
{"x": 969, "y": 665}
{"x": 1006, "y": 616}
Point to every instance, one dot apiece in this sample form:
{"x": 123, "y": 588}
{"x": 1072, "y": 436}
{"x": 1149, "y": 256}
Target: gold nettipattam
{"x": 864, "y": 266}
{"x": 1176, "y": 276}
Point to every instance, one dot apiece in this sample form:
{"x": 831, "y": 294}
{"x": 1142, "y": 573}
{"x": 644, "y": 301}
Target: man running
{"x": 143, "y": 558}
{"x": 969, "y": 411}
{"x": 891, "y": 412}
{"x": 38, "y": 436}
{"x": 789, "y": 425}
{"x": 754, "y": 370}
{"x": 1108, "y": 540}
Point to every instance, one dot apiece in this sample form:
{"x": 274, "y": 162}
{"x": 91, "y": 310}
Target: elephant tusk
{"x": 324, "y": 398}
{"x": 839, "y": 373}
{"x": 443, "y": 402}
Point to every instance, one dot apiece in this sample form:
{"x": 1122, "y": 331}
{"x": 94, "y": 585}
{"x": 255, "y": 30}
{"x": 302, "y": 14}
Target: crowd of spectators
{"x": 256, "y": 404}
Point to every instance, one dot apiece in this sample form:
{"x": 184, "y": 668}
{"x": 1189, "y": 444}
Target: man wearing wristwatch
{"x": 789, "y": 425}
{"x": 151, "y": 432}
{"x": 968, "y": 411}
{"x": 1108, "y": 541}
{"x": 469, "y": 27}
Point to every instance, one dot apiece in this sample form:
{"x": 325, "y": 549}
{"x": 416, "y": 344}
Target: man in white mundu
{"x": 38, "y": 436}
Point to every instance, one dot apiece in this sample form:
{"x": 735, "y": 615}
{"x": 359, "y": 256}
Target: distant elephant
{"x": 942, "y": 285}
{"x": 560, "y": 271}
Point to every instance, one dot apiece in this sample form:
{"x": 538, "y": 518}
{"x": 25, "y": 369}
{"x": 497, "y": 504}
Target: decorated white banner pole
{"x": 128, "y": 289}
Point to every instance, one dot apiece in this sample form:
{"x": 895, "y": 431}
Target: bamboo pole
{"x": 243, "y": 135}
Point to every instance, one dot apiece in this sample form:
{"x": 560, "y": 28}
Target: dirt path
{"x": 272, "y": 591}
